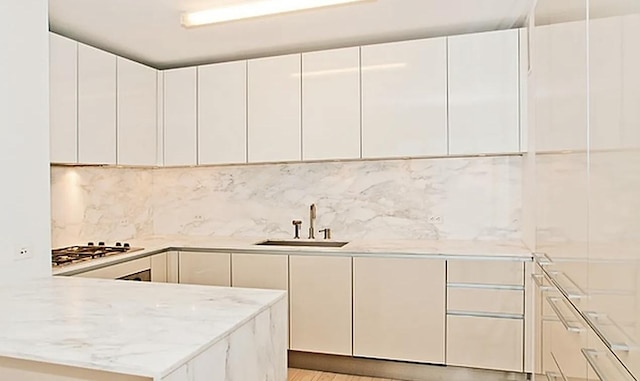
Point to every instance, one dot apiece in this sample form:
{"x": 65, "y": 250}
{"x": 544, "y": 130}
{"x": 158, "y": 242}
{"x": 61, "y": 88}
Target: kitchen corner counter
{"x": 151, "y": 330}
{"x": 498, "y": 250}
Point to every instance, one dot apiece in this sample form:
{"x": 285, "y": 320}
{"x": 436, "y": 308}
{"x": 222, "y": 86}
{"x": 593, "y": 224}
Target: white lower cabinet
{"x": 399, "y": 309}
{"x": 210, "y": 269}
{"x": 159, "y": 268}
{"x": 320, "y": 292}
{"x": 485, "y": 342}
{"x": 260, "y": 271}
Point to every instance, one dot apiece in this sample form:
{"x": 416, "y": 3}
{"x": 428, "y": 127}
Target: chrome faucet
{"x": 312, "y": 221}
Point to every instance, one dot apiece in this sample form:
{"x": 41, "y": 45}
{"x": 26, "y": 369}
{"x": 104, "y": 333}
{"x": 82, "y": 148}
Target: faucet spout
{"x": 312, "y": 221}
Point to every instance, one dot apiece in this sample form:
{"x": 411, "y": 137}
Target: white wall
{"x": 24, "y": 138}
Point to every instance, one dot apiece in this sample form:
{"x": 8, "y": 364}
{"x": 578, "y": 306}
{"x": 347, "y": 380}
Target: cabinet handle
{"x": 543, "y": 259}
{"x": 593, "y": 357}
{"x": 537, "y": 279}
{"x": 553, "y": 376}
{"x": 578, "y": 293}
{"x": 595, "y": 318}
{"x": 563, "y": 320}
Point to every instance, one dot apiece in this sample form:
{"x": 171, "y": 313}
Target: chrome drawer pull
{"x": 537, "y": 279}
{"x": 543, "y": 259}
{"x": 593, "y": 358}
{"x": 553, "y": 376}
{"x": 577, "y": 293}
{"x": 595, "y": 320}
{"x": 563, "y": 320}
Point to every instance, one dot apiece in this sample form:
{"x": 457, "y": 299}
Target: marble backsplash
{"x": 474, "y": 198}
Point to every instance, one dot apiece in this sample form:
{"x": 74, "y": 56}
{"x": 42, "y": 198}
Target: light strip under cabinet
{"x": 256, "y": 8}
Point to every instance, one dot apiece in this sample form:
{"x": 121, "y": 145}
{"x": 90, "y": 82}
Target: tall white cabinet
{"x": 222, "y": 113}
{"x": 404, "y": 99}
{"x": 331, "y": 104}
{"x": 96, "y": 106}
{"x": 561, "y": 86}
{"x": 484, "y": 93}
{"x": 274, "y": 129}
{"x": 137, "y": 113}
{"x": 63, "y": 99}
{"x": 180, "y": 124}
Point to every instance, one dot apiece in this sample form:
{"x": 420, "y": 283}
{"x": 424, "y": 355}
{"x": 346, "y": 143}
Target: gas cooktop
{"x": 80, "y": 253}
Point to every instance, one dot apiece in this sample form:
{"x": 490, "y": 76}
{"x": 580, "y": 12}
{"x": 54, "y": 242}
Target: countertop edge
{"x": 248, "y": 249}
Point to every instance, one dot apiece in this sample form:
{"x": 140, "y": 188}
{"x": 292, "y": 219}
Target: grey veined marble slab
{"x": 154, "y": 330}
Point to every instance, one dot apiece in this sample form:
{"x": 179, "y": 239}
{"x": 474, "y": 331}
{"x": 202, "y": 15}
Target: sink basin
{"x": 302, "y": 243}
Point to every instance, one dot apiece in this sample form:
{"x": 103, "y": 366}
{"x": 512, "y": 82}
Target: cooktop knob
{"x": 90, "y": 244}
{"x": 126, "y": 245}
{"x": 118, "y": 244}
{"x": 100, "y": 243}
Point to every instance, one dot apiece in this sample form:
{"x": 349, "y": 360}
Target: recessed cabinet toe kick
{"x": 464, "y": 311}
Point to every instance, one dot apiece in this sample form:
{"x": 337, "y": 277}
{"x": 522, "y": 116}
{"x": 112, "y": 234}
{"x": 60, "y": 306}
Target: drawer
{"x": 489, "y": 343}
{"x": 120, "y": 270}
{"x": 485, "y": 300}
{"x": 485, "y": 272}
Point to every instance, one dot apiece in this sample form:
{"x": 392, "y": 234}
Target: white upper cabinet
{"x": 484, "y": 93}
{"x": 560, "y": 64}
{"x": 137, "y": 114}
{"x": 331, "y": 104}
{"x": 63, "y": 99}
{"x": 404, "y": 99}
{"x": 613, "y": 83}
{"x": 96, "y": 106}
{"x": 274, "y": 131}
{"x": 180, "y": 139}
{"x": 222, "y": 113}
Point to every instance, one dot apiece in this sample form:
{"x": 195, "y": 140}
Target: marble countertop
{"x": 136, "y": 328}
{"x": 507, "y": 250}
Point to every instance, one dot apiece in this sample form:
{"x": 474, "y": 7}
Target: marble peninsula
{"x": 65, "y": 328}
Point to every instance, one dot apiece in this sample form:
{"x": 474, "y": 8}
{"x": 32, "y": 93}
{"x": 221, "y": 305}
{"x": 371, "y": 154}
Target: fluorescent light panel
{"x": 255, "y": 9}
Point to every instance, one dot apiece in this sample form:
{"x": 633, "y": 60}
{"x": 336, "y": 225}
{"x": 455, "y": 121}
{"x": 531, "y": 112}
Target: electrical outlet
{"x": 23, "y": 252}
{"x": 198, "y": 218}
{"x": 436, "y": 220}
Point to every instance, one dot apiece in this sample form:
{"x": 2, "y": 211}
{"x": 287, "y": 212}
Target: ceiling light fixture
{"x": 255, "y": 9}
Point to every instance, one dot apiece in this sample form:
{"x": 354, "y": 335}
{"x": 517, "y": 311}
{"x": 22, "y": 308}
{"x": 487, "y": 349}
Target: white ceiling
{"x": 149, "y": 31}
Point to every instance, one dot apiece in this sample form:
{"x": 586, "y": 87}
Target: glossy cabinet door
{"x": 180, "y": 136}
{"x": 260, "y": 271}
{"x": 559, "y": 61}
{"x": 399, "y": 309}
{"x": 137, "y": 113}
{"x": 63, "y": 99}
{"x": 159, "y": 267}
{"x": 331, "y": 104}
{"x": 484, "y": 91}
{"x": 320, "y": 299}
{"x": 222, "y": 113}
{"x": 404, "y": 99}
{"x": 274, "y": 103}
{"x": 209, "y": 269}
{"x": 96, "y": 106}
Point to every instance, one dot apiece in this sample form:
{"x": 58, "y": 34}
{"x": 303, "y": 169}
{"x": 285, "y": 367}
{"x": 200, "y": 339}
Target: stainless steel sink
{"x": 301, "y": 243}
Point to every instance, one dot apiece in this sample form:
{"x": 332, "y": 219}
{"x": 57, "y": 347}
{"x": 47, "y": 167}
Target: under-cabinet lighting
{"x": 255, "y": 9}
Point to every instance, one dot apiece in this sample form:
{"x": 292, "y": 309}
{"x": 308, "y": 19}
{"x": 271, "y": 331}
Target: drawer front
{"x": 486, "y": 300}
{"x": 120, "y": 270}
{"x": 485, "y": 272}
{"x": 488, "y": 343}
